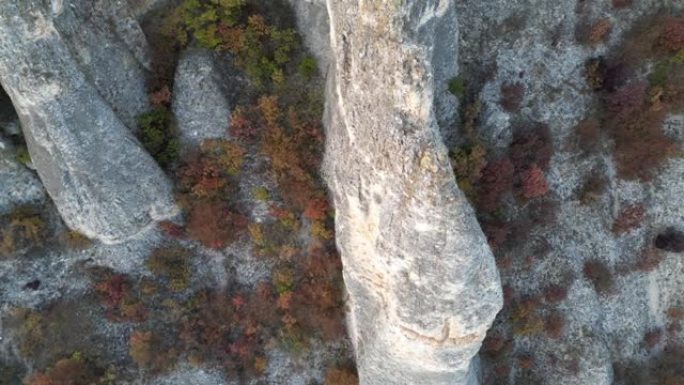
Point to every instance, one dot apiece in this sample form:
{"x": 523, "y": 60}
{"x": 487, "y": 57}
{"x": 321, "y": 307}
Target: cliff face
{"x": 421, "y": 279}
{"x": 75, "y": 74}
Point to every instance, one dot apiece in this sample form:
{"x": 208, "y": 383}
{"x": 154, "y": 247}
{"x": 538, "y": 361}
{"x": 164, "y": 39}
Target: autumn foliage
{"x": 74, "y": 370}
{"x": 277, "y": 134}
{"x": 634, "y": 110}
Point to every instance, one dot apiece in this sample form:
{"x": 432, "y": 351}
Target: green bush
{"x": 308, "y": 67}
{"x": 200, "y": 19}
{"x": 23, "y": 155}
{"x": 157, "y": 136}
{"x": 457, "y": 87}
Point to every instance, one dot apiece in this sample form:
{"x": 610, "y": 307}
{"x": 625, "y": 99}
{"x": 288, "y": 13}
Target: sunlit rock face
{"x": 75, "y": 73}
{"x": 423, "y": 288}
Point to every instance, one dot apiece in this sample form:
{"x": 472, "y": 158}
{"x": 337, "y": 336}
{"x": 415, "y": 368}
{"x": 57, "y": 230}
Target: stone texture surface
{"x": 76, "y": 82}
{"x": 206, "y": 89}
{"x": 421, "y": 279}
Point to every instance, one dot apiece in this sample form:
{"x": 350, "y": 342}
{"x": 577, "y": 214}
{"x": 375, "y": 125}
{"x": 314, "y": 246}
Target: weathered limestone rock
{"x": 421, "y": 279}
{"x": 76, "y": 83}
{"x": 205, "y": 91}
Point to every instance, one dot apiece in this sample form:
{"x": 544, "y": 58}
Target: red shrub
{"x": 317, "y": 209}
{"x": 626, "y": 100}
{"x": 161, "y": 97}
{"x": 554, "y": 325}
{"x": 531, "y": 146}
{"x": 502, "y": 370}
{"x": 243, "y": 125}
{"x": 496, "y": 233}
{"x": 496, "y": 181}
{"x": 653, "y": 338}
{"x": 641, "y": 147}
{"x": 171, "y": 229}
{"x": 672, "y": 37}
{"x": 555, "y": 293}
{"x": 202, "y": 178}
{"x": 512, "y": 96}
{"x": 121, "y": 305}
{"x": 214, "y": 224}
{"x": 533, "y": 183}
{"x": 113, "y": 289}
{"x": 629, "y": 218}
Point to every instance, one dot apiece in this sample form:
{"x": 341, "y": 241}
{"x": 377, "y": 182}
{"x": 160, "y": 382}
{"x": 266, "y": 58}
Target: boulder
{"x": 76, "y": 79}
{"x": 205, "y": 91}
{"x": 423, "y": 287}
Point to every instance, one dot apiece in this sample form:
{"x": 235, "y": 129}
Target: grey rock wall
{"x": 77, "y": 84}
{"x": 423, "y": 288}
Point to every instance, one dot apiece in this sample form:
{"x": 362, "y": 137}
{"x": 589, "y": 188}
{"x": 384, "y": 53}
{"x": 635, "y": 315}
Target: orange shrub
{"x": 341, "y": 376}
{"x": 533, "y": 183}
{"x": 120, "y": 303}
{"x": 214, "y": 224}
{"x": 599, "y": 31}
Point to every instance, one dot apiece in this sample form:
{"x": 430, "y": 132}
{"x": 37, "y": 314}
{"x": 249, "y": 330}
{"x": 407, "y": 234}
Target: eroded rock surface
{"x": 75, "y": 77}
{"x": 421, "y": 279}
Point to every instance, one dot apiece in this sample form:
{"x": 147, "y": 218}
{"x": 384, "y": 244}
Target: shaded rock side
{"x": 103, "y": 183}
{"x": 423, "y": 287}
